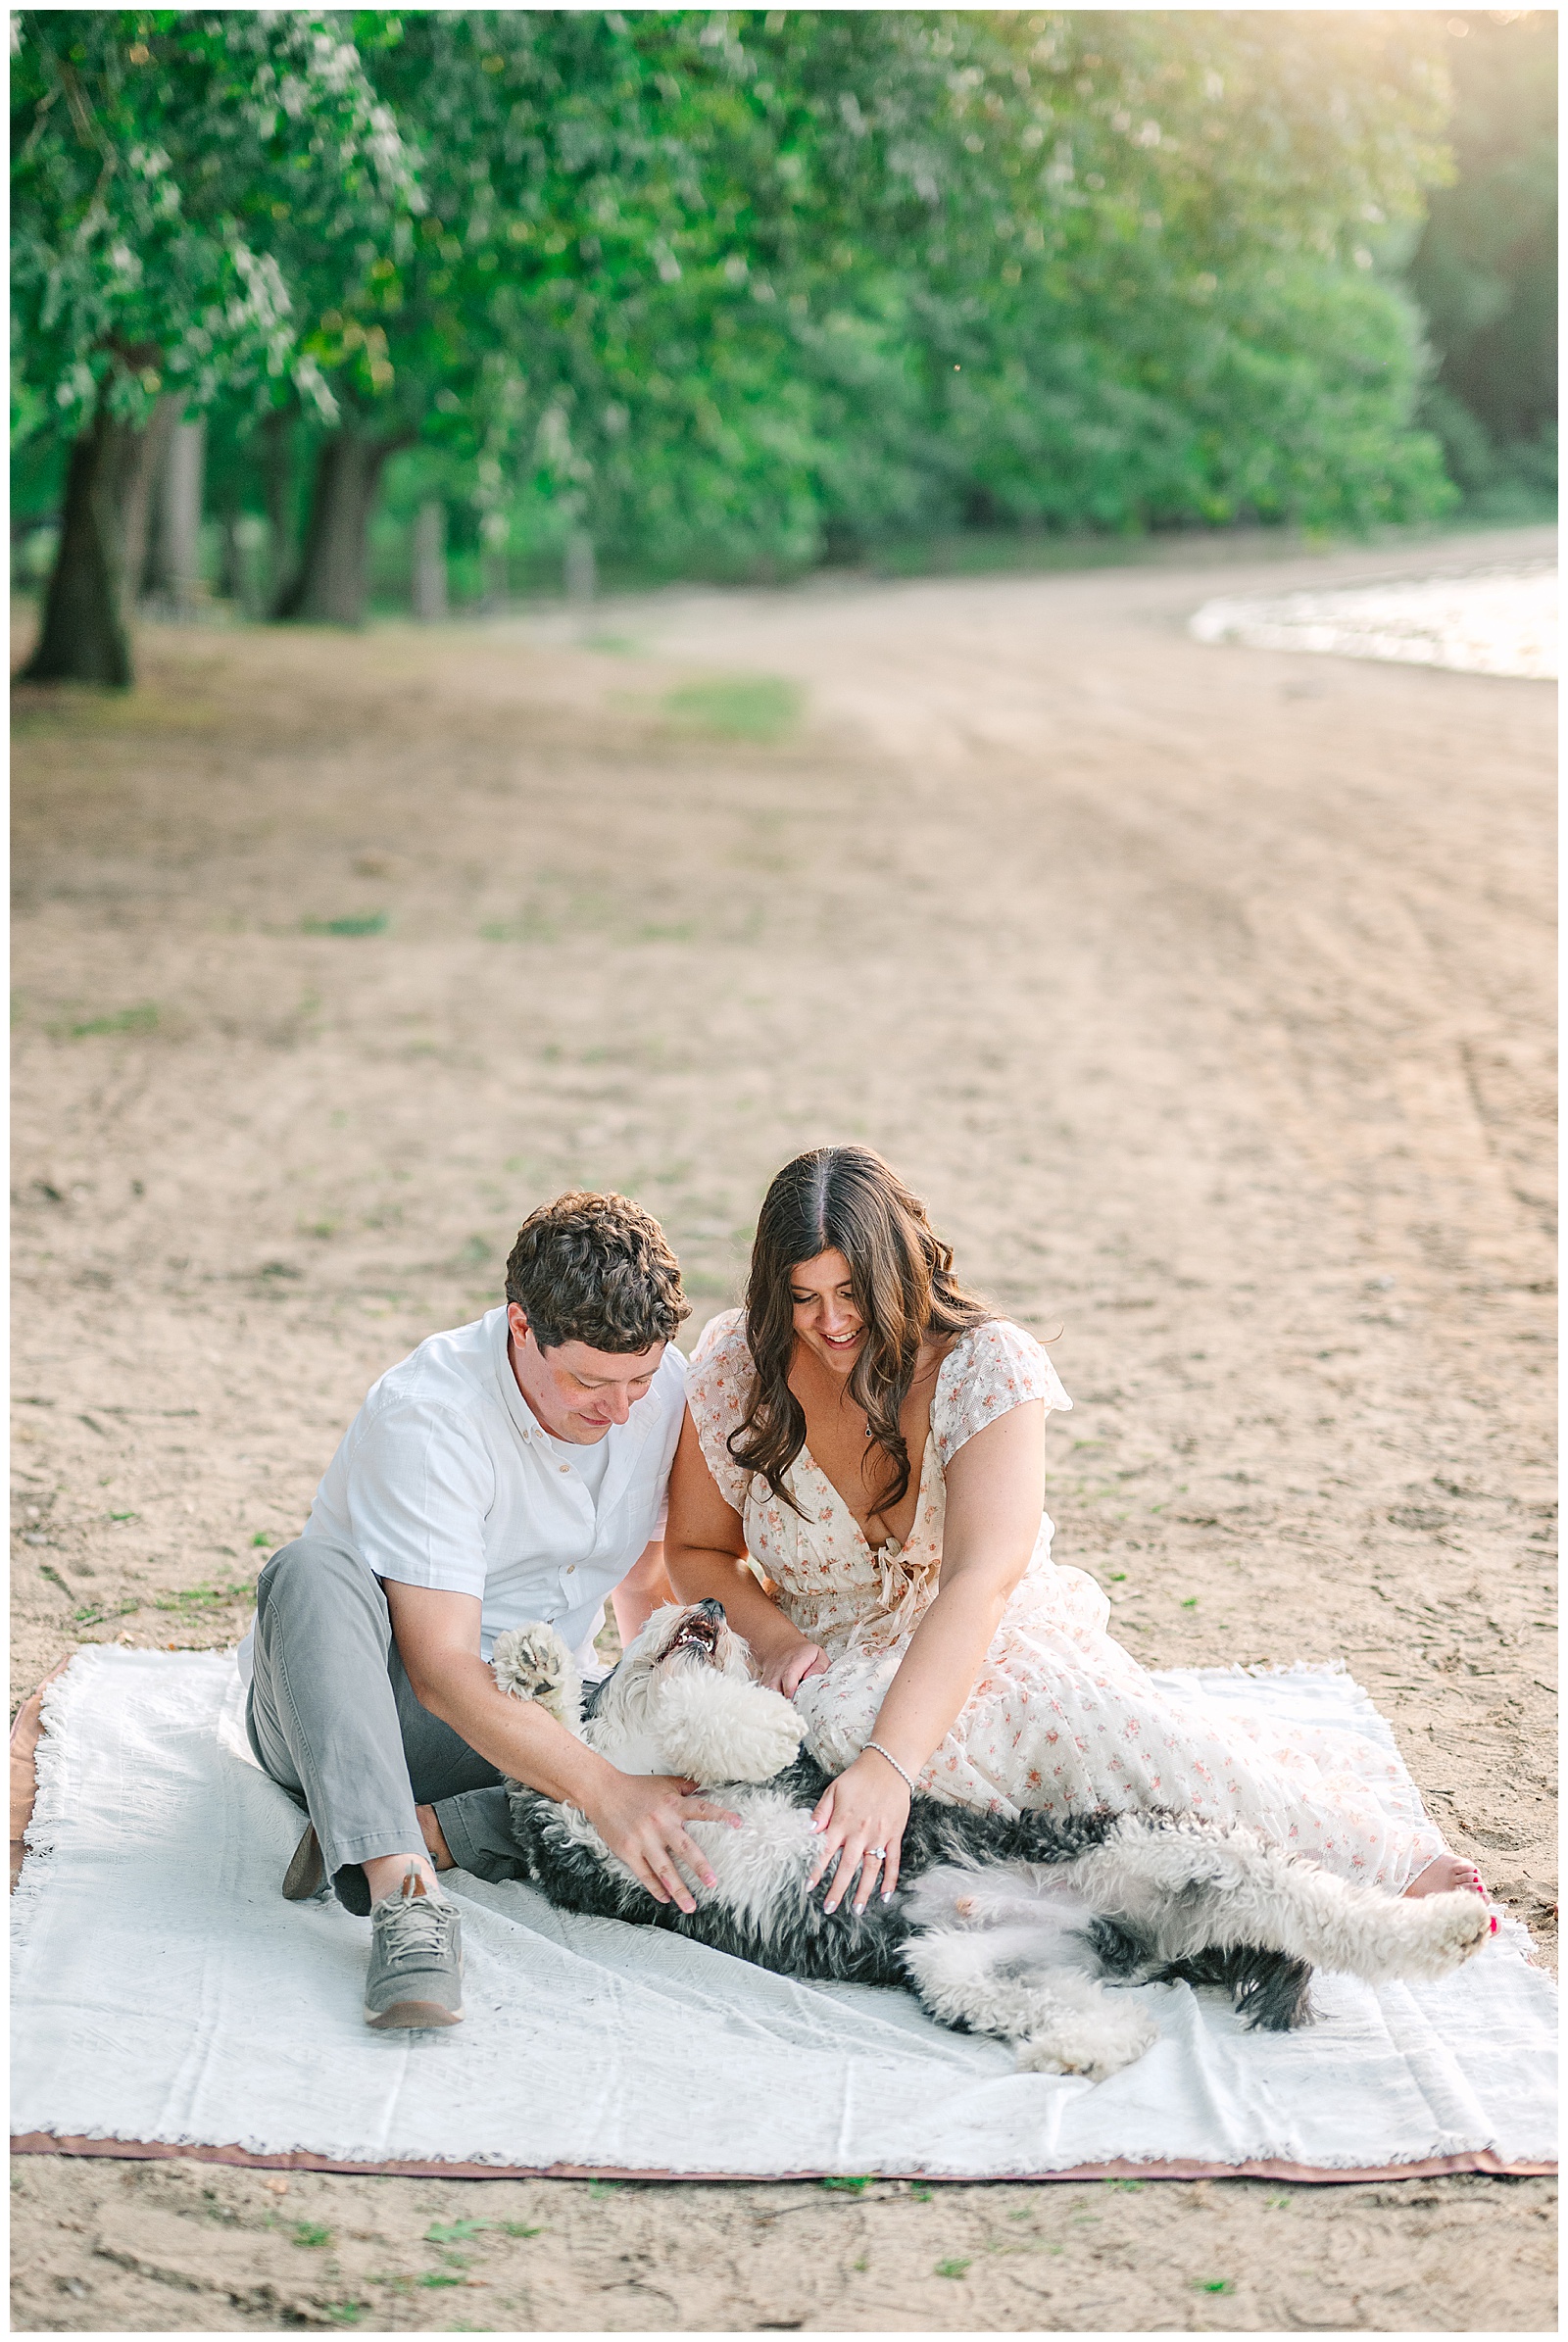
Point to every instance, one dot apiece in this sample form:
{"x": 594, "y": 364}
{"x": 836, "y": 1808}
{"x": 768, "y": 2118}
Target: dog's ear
{"x": 533, "y": 1663}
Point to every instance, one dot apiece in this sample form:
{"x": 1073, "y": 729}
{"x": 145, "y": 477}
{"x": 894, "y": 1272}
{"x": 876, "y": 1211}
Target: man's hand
{"x": 642, "y": 1819}
{"x": 787, "y": 1668}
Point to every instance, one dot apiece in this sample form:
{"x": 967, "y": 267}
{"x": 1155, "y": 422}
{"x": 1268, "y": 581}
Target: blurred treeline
{"x": 313, "y": 307}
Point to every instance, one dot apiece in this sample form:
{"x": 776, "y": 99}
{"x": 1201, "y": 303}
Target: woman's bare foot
{"x": 1446, "y": 1875}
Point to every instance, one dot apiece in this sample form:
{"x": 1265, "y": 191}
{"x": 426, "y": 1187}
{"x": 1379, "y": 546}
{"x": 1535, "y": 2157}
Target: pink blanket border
{"x": 43, "y": 2142}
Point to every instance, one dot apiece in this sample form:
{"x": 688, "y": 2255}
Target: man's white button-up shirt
{"x": 446, "y": 1479}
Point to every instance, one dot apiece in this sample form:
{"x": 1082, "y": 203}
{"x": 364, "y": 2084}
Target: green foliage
{"x": 735, "y": 293}
{"x": 906, "y": 269}
{"x": 1486, "y": 269}
{"x": 956, "y": 2267}
{"x": 312, "y": 2236}
{"x": 155, "y": 155}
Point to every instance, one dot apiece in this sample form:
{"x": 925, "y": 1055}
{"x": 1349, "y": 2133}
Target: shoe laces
{"x": 415, "y": 1930}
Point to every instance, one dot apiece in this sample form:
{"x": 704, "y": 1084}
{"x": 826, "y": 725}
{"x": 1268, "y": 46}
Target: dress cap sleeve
{"x": 719, "y": 1384}
{"x": 986, "y": 1373}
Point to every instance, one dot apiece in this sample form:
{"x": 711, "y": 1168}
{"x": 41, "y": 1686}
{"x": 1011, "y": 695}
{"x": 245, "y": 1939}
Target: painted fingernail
{"x": 886, "y": 1894}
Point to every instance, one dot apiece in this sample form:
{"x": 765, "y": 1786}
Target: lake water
{"x": 1493, "y": 621}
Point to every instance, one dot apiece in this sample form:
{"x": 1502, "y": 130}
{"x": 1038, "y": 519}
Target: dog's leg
{"x": 533, "y": 1663}
{"x": 994, "y": 1981}
{"x": 1185, "y": 1889}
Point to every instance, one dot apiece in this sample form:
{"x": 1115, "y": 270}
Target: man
{"x": 511, "y": 1470}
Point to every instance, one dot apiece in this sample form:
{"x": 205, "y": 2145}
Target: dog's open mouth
{"x": 695, "y": 1633}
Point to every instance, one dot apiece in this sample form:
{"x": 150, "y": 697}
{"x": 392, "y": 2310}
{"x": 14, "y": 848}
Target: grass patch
{"x": 142, "y": 1018}
{"x": 1215, "y": 2284}
{"x": 739, "y": 707}
{"x": 849, "y": 2187}
{"x": 312, "y": 2236}
{"x": 93, "y": 1614}
{"x": 953, "y": 2269}
{"x": 206, "y": 1598}
{"x": 455, "y": 2231}
{"x": 358, "y": 922}
{"x": 439, "y": 2276}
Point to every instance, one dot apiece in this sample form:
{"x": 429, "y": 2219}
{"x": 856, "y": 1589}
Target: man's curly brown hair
{"x": 596, "y": 1269}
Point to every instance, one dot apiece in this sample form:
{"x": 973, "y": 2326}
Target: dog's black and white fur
{"x": 1006, "y": 1927}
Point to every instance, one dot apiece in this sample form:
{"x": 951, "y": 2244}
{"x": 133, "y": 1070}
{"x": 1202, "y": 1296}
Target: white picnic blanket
{"x": 162, "y": 1991}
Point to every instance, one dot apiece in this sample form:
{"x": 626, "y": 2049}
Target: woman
{"x": 861, "y": 1482}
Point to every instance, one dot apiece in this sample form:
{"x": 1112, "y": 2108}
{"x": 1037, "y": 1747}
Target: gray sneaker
{"x": 415, "y": 1973}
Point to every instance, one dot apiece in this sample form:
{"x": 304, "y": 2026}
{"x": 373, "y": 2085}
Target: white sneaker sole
{"x": 413, "y": 2015}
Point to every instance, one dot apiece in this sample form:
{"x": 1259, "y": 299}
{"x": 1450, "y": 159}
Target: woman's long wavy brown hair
{"x": 846, "y": 1200}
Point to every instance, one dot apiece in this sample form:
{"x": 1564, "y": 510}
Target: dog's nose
{"x": 714, "y": 1610}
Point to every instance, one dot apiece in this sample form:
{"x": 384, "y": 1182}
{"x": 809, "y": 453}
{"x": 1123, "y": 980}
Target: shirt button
{"x": 571, "y": 1569}
{"x": 566, "y": 1467}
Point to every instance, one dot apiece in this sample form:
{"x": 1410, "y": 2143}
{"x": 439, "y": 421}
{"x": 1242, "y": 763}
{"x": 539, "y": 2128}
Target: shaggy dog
{"x": 1005, "y": 1926}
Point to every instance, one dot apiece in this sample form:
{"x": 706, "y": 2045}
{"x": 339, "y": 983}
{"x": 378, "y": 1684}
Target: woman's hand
{"x": 861, "y": 1816}
{"x": 642, "y": 1819}
{"x": 787, "y": 1668}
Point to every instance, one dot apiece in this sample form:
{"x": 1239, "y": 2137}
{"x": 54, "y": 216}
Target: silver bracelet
{"x": 897, "y": 1767}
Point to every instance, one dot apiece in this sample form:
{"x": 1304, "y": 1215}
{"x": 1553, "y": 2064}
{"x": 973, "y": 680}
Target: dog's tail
{"x": 533, "y": 1663}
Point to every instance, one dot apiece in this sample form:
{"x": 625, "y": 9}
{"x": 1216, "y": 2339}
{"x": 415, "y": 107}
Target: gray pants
{"x": 334, "y": 1718}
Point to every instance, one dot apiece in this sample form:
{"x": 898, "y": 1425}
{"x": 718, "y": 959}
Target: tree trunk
{"x": 277, "y": 473}
{"x": 334, "y": 576}
{"x": 173, "y": 571}
{"x": 581, "y": 568}
{"x": 103, "y": 539}
{"x": 231, "y": 580}
{"x": 430, "y": 563}
{"x": 144, "y": 473}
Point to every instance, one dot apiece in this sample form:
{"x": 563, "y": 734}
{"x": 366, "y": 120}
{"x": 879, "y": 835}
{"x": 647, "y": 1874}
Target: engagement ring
{"x": 879, "y": 1853}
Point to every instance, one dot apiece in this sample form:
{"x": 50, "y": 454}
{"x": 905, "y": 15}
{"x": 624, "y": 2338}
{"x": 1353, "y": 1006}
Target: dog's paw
{"x": 533, "y": 1663}
{"x": 1096, "y": 2044}
{"x": 1443, "y": 1931}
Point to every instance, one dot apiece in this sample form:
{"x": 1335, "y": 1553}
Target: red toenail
{"x": 1493, "y": 1923}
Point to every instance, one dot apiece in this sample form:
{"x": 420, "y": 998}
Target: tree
{"x": 1108, "y": 269}
{"x": 1486, "y": 269}
{"x": 555, "y": 184}
{"x": 154, "y": 153}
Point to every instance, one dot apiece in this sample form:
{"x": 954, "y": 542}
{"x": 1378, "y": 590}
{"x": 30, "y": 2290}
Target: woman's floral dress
{"x": 1061, "y": 1720}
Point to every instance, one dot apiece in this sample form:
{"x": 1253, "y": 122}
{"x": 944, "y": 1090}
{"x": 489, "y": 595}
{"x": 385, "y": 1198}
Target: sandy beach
{"x": 1204, "y": 991}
